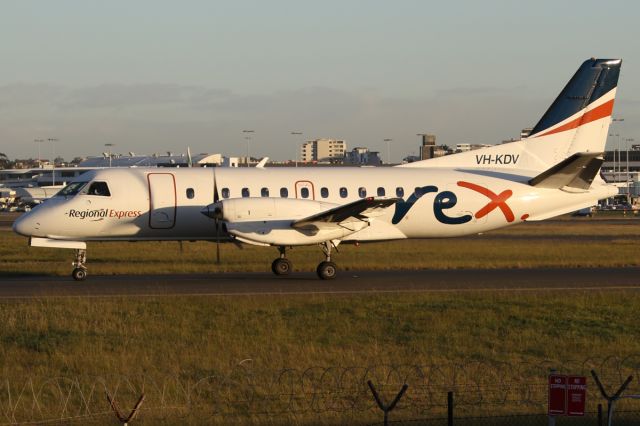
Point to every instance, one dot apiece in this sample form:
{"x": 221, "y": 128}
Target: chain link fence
{"x": 485, "y": 393}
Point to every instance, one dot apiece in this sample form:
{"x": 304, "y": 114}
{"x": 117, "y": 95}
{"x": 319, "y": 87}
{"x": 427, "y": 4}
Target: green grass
{"x": 164, "y": 345}
{"x": 194, "y": 337}
{"x": 566, "y": 243}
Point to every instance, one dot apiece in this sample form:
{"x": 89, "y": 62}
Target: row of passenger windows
{"x": 305, "y": 193}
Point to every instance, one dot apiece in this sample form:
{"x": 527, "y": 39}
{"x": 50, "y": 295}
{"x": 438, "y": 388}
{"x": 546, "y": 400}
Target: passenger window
{"x": 381, "y": 191}
{"x": 264, "y": 192}
{"x": 362, "y": 192}
{"x": 324, "y": 192}
{"x": 245, "y": 192}
{"x": 284, "y": 192}
{"x": 343, "y": 192}
{"x": 304, "y": 192}
{"x": 99, "y": 188}
{"x": 400, "y": 192}
{"x": 190, "y": 193}
{"x": 225, "y": 193}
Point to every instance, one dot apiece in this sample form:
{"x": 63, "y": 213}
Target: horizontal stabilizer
{"x": 357, "y": 210}
{"x": 577, "y": 171}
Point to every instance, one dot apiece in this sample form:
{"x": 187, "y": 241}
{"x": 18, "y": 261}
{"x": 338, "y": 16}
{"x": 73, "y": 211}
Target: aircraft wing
{"x": 355, "y": 211}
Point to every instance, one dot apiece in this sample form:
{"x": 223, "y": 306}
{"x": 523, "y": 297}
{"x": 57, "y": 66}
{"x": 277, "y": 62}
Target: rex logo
{"x": 447, "y": 199}
{"x": 496, "y": 200}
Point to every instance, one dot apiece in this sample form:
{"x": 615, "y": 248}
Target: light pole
{"x": 109, "y": 145}
{"x": 626, "y": 147}
{"x": 248, "y": 139}
{"x": 296, "y": 156}
{"x": 615, "y": 172}
{"x": 613, "y": 121}
{"x": 388, "y": 141}
{"x": 53, "y": 150}
{"x": 39, "y": 142}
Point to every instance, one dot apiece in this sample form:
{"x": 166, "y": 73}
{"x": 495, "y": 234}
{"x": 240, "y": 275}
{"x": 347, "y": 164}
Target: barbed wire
{"x": 479, "y": 386}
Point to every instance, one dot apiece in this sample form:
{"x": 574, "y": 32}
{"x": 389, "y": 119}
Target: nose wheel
{"x": 80, "y": 270}
{"x": 79, "y": 274}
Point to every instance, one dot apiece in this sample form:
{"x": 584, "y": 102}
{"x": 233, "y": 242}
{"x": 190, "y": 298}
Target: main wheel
{"x": 79, "y": 274}
{"x": 327, "y": 270}
{"x": 281, "y": 266}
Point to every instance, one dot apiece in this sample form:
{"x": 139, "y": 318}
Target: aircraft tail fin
{"x": 576, "y": 122}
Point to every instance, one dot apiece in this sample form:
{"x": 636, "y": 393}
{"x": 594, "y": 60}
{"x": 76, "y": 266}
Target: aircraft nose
{"x": 26, "y": 225}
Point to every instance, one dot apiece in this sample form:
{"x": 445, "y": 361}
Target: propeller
{"x": 217, "y": 216}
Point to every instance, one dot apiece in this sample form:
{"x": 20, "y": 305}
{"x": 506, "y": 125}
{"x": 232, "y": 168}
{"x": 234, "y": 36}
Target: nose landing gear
{"x": 80, "y": 270}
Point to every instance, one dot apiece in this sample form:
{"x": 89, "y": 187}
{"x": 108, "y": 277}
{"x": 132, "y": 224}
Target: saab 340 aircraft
{"x": 551, "y": 172}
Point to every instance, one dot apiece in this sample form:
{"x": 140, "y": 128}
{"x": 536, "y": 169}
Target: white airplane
{"x": 552, "y": 172}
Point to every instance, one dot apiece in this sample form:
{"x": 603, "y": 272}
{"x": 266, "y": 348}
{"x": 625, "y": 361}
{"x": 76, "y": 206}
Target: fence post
{"x": 386, "y": 409}
{"x": 450, "y": 408}
{"x": 124, "y": 419}
{"x": 611, "y": 400}
{"x": 551, "y": 420}
{"x": 600, "y": 415}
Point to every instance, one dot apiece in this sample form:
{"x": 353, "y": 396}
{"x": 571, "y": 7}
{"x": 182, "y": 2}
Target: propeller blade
{"x": 217, "y": 220}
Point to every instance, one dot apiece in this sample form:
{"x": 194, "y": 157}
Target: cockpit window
{"x": 72, "y": 189}
{"x": 99, "y": 188}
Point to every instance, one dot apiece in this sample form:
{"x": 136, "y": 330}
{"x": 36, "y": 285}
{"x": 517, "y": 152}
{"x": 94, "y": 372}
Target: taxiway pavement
{"x": 347, "y": 282}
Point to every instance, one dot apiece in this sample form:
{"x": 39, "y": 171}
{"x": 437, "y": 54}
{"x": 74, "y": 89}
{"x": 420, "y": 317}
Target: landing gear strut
{"x": 282, "y": 265}
{"x": 80, "y": 270}
{"x": 327, "y": 270}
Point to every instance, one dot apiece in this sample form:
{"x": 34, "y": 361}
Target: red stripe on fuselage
{"x": 597, "y": 113}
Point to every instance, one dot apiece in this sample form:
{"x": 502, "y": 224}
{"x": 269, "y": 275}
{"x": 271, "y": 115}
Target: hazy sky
{"x": 154, "y": 76}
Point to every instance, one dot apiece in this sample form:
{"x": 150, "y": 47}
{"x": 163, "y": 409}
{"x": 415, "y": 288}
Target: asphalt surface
{"x": 348, "y": 282}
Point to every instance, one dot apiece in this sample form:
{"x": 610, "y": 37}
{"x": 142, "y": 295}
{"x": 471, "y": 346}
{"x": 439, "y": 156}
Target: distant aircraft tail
{"x": 576, "y": 122}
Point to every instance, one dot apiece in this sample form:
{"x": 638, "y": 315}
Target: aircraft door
{"x": 304, "y": 190}
{"x": 162, "y": 200}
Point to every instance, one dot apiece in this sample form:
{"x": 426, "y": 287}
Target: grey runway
{"x": 348, "y": 282}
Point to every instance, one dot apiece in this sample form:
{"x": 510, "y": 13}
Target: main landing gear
{"x": 326, "y": 270}
{"x": 282, "y": 265}
{"x": 80, "y": 270}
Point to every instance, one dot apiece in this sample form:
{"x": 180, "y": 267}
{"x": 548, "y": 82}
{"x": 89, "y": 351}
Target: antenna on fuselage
{"x": 189, "y": 160}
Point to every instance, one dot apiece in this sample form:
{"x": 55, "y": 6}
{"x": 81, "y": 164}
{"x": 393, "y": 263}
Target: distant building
{"x": 464, "y": 147}
{"x": 330, "y": 150}
{"x": 361, "y": 156}
{"x": 428, "y": 146}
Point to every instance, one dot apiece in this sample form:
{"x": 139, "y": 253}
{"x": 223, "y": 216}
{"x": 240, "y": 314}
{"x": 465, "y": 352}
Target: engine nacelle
{"x": 256, "y": 209}
{"x": 267, "y": 221}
